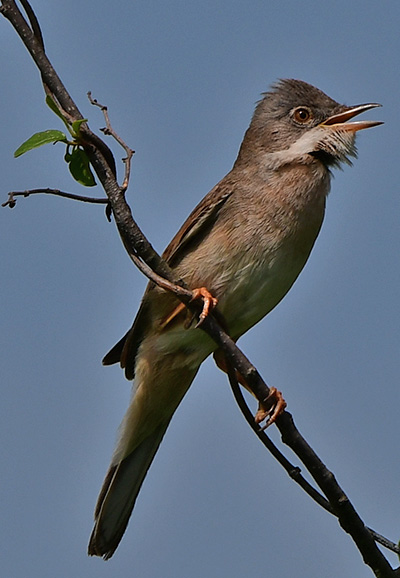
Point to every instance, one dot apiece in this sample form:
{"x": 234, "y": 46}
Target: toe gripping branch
{"x": 271, "y": 408}
{"x": 209, "y": 302}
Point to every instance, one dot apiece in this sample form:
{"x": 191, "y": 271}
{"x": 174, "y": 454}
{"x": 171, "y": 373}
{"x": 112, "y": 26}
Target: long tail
{"x": 118, "y": 495}
{"x": 165, "y": 367}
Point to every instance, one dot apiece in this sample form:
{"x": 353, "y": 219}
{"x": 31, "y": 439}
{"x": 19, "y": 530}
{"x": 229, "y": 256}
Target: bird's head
{"x": 296, "y": 121}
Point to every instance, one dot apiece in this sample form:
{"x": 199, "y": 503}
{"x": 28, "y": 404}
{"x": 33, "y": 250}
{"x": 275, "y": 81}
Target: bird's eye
{"x": 302, "y": 115}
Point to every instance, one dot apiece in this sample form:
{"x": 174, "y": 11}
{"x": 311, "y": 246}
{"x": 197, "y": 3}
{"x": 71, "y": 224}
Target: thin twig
{"x": 348, "y": 517}
{"x": 11, "y": 202}
{"x": 34, "y": 22}
{"x": 110, "y": 131}
{"x": 293, "y": 471}
{"x": 182, "y": 293}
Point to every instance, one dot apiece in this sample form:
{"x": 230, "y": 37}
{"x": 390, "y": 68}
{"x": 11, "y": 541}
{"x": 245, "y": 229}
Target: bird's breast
{"x": 259, "y": 244}
{"x": 273, "y": 246}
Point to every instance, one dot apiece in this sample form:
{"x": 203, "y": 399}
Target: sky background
{"x": 181, "y": 79}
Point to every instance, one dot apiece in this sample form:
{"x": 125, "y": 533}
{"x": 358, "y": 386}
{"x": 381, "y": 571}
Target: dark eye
{"x": 302, "y": 115}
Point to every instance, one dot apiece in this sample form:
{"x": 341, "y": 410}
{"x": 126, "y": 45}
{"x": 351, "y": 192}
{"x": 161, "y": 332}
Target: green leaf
{"x": 79, "y": 167}
{"x": 76, "y": 126}
{"x": 52, "y": 105}
{"x": 40, "y": 138}
{"x": 72, "y": 128}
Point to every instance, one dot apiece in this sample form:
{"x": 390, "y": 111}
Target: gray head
{"x": 295, "y": 120}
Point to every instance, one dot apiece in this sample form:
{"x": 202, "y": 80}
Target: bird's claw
{"x": 209, "y": 302}
{"x": 271, "y": 408}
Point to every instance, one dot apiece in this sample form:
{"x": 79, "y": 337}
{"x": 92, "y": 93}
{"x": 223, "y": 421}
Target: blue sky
{"x": 180, "y": 80}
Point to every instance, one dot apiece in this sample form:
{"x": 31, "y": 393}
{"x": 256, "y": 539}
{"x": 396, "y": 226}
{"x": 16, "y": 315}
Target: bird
{"x": 246, "y": 242}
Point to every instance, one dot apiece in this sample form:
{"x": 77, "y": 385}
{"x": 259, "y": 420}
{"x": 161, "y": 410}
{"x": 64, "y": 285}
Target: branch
{"x": 343, "y": 508}
{"x": 11, "y": 202}
{"x": 293, "y": 471}
{"x": 156, "y": 269}
{"x": 110, "y": 131}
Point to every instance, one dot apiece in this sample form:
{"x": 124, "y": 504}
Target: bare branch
{"x": 293, "y": 471}
{"x": 110, "y": 131}
{"x": 11, "y": 196}
{"x": 349, "y": 519}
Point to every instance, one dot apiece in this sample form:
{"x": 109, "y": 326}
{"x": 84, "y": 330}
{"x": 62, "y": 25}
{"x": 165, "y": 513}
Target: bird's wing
{"x": 196, "y": 226}
{"x": 124, "y": 352}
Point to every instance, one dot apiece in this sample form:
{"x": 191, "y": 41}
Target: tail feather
{"x": 118, "y": 495}
{"x": 165, "y": 367}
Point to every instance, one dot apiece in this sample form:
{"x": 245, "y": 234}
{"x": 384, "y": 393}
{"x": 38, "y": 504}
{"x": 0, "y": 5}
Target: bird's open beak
{"x": 340, "y": 120}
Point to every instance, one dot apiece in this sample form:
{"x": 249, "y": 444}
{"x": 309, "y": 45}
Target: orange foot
{"x": 209, "y": 302}
{"x": 271, "y": 408}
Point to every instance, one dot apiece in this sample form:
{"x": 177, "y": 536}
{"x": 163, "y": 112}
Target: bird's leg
{"x": 270, "y": 408}
{"x": 209, "y": 302}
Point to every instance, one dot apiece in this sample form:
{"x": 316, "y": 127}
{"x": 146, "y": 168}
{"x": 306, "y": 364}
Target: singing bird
{"x": 246, "y": 242}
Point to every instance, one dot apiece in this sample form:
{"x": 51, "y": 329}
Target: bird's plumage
{"x": 247, "y": 242}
